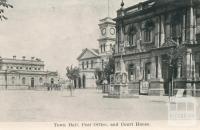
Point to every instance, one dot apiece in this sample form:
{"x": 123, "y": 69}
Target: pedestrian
{"x": 70, "y": 88}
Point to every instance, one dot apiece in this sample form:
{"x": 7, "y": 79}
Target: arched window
{"x": 23, "y": 80}
{"x": 13, "y": 80}
{"x": 148, "y": 29}
{"x": 147, "y": 35}
{"x": 132, "y": 36}
{"x": 52, "y": 81}
{"x": 41, "y": 80}
{"x": 176, "y": 26}
{"x": 131, "y": 72}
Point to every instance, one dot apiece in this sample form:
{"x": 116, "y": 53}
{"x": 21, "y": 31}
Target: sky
{"x": 54, "y": 30}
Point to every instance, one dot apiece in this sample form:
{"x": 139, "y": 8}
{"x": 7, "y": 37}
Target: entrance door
{"x": 84, "y": 81}
{"x": 165, "y": 73}
{"x": 52, "y": 81}
{"x": 32, "y": 82}
{"x": 79, "y": 82}
{"x": 75, "y": 83}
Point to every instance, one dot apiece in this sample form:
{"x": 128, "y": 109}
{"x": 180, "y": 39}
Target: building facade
{"x": 92, "y": 59}
{"x": 159, "y": 41}
{"x": 22, "y": 73}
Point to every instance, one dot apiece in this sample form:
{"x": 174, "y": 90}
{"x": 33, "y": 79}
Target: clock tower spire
{"x": 106, "y": 38}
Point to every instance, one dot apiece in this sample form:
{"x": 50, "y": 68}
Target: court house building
{"x": 24, "y": 73}
{"x": 159, "y": 42}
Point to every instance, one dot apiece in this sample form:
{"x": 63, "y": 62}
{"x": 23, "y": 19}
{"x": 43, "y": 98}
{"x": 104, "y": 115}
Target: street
{"x": 84, "y": 105}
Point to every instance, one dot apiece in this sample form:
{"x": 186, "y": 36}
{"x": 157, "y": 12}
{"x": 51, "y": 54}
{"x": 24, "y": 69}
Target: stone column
{"x": 195, "y": 27}
{"x": 157, "y": 32}
{"x": 139, "y": 38}
{"x": 153, "y": 68}
{"x": 137, "y": 72}
{"x": 162, "y": 31}
{"x": 183, "y": 28}
{"x": 122, "y": 37}
{"x": 190, "y": 29}
{"x": 159, "y": 67}
{"x": 168, "y": 27}
{"x": 194, "y": 75}
{"x": 179, "y": 69}
{"x": 188, "y": 63}
{"x": 156, "y": 84}
{"x": 188, "y": 73}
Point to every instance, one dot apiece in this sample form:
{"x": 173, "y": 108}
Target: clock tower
{"x": 107, "y": 39}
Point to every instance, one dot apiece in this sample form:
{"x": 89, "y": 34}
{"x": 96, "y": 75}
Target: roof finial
{"x": 122, "y": 4}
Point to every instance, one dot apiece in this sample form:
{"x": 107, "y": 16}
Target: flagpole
{"x": 108, "y": 8}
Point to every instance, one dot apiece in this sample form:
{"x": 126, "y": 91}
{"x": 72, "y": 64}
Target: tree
{"x": 175, "y": 53}
{"x": 4, "y": 4}
{"x": 98, "y": 75}
{"x": 72, "y": 74}
{"x": 109, "y": 69}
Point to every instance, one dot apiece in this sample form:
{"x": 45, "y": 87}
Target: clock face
{"x": 103, "y": 31}
{"x": 112, "y": 31}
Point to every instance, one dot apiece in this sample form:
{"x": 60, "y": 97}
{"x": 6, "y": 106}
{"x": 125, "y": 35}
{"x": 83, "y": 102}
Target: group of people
{"x": 51, "y": 87}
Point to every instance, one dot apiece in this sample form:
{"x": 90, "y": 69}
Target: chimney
{"x": 14, "y": 57}
{"x": 23, "y": 57}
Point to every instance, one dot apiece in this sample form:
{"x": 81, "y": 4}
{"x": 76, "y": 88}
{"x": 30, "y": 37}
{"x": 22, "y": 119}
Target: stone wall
{"x": 133, "y": 88}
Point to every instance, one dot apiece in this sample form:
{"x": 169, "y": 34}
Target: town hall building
{"x": 159, "y": 42}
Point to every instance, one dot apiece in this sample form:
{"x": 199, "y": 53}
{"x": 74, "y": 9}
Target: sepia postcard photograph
{"x": 99, "y": 64}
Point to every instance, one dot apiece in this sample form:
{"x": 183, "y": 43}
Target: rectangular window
{"x": 83, "y": 65}
{"x": 131, "y": 72}
{"x": 132, "y": 39}
{"x": 156, "y": 66}
{"x": 92, "y": 64}
{"x": 147, "y": 71}
{"x": 102, "y": 64}
{"x": 87, "y": 64}
{"x": 199, "y": 69}
{"x": 147, "y": 36}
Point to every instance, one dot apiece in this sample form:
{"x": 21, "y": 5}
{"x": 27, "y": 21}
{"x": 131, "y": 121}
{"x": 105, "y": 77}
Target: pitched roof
{"x": 95, "y": 52}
